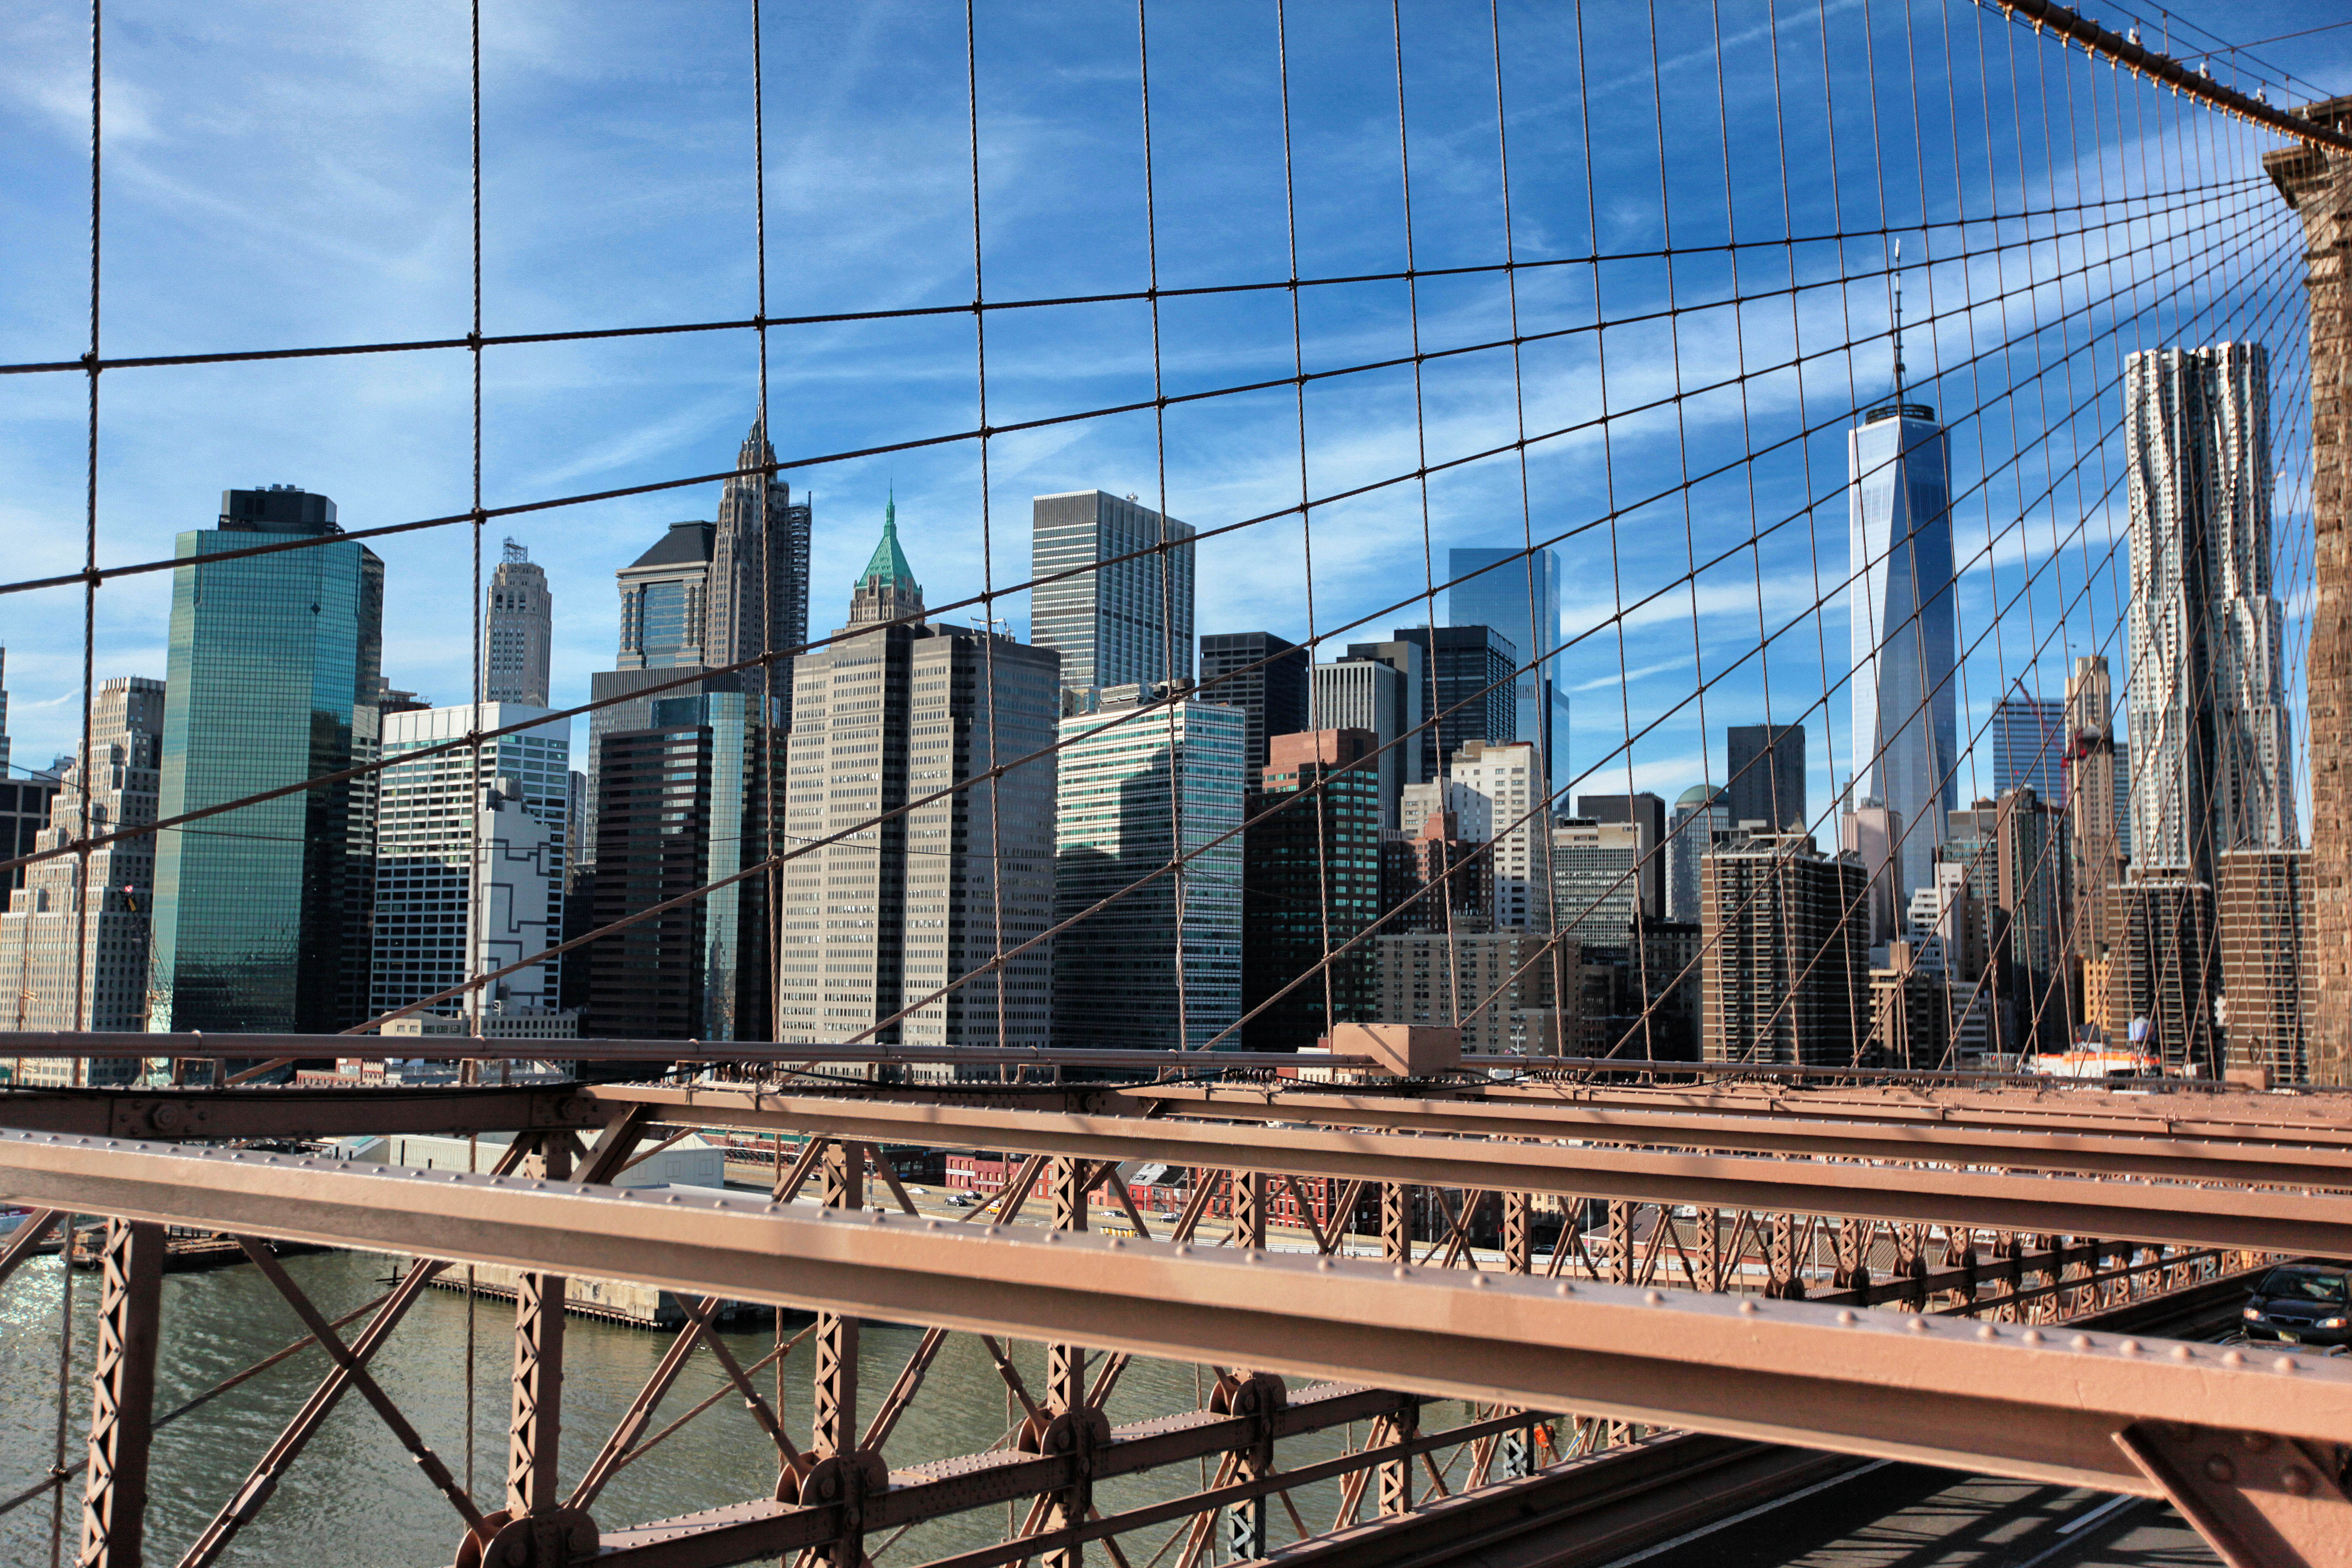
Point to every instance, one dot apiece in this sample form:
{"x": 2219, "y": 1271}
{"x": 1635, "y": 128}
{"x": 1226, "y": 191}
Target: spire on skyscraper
{"x": 887, "y": 589}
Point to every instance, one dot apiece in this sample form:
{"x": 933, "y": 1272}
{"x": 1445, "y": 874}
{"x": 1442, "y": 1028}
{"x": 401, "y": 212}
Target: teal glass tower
{"x": 260, "y": 913}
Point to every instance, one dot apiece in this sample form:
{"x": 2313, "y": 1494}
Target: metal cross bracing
{"x": 1426, "y": 1279}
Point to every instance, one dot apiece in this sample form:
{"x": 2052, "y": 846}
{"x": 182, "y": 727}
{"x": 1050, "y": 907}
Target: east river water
{"x": 355, "y": 1498}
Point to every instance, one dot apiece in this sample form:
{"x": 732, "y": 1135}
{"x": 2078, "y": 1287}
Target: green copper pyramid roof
{"x": 888, "y": 563}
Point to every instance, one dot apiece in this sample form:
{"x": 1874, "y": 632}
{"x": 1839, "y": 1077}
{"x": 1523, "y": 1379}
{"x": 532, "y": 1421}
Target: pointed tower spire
{"x": 887, "y": 589}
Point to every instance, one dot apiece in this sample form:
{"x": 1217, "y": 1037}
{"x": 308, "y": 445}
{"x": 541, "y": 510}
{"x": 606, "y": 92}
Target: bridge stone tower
{"x": 2317, "y": 183}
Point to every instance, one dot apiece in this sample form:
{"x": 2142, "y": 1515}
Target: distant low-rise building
{"x": 1502, "y": 989}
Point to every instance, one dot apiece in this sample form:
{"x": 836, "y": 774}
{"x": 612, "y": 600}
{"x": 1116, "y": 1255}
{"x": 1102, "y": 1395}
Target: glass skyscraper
{"x": 1499, "y": 596}
{"x": 260, "y": 912}
{"x": 1904, "y": 627}
{"x": 2029, "y": 746}
{"x": 1127, "y": 621}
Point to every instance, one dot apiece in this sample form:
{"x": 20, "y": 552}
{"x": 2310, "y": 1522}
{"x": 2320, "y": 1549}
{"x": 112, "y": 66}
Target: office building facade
{"x": 1903, "y": 626}
{"x": 888, "y": 916}
{"x": 2015, "y": 855}
{"x": 273, "y": 669}
{"x": 1160, "y": 967}
{"x": 1411, "y": 700}
{"x": 1127, "y": 621}
{"x": 1266, "y": 678}
{"x": 2163, "y": 971}
{"x": 2096, "y": 796}
{"x": 1596, "y": 875}
{"x": 1767, "y": 776}
{"x": 1368, "y": 695}
{"x": 518, "y": 631}
{"x": 68, "y": 962}
{"x": 1700, "y": 817}
{"x": 452, "y": 836}
{"x": 23, "y": 801}
{"x": 2268, "y": 980}
{"x": 1471, "y": 691}
{"x": 2213, "y": 765}
{"x": 759, "y": 572}
{"x": 1647, "y": 812}
{"x": 1518, "y": 592}
{"x": 682, "y": 804}
{"x": 2029, "y": 746}
{"x": 1436, "y": 878}
{"x": 1786, "y": 976}
{"x": 1510, "y": 779}
{"x": 1310, "y": 885}
{"x": 665, "y": 626}
{"x": 1502, "y": 989}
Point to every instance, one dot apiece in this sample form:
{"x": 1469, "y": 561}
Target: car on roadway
{"x": 2301, "y": 1304}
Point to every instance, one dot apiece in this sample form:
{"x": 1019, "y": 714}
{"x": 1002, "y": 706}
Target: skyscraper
{"x": 759, "y": 570}
{"x": 1161, "y": 966}
{"x": 664, "y": 624}
{"x": 2029, "y": 745}
{"x": 684, "y": 806}
{"x": 1767, "y": 775}
{"x": 1905, "y": 629}
{"x": 1700, "y": 816}
{"x": 2095, "y": 794}
{"x": 273, "y": 666}
{"x": 1647, "y": 812}
{"x": 1263, "y": 676}
{"x": 2210, "y": 729}
{"x": 1510, "y": 777}
{"x": 896, "y": 910}
{"x": 1596, "y": 871}
{"x": 1786, "y": 976}
{"x": 1311, "y": 883}
{"x": 1370, "y": 695}
{"x": 24, "y": 803}
{"x": 1518, "y": 593}
{"x": 518, "y": 629}
{"x": 1127, "y": 621}
{"x": 428, "y": 826}
{"x": 41, "y": 987}
{"x": 1467, "y": 685}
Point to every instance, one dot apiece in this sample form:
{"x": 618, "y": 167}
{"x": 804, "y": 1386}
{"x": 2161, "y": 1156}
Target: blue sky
{"x": 280, "y": 175}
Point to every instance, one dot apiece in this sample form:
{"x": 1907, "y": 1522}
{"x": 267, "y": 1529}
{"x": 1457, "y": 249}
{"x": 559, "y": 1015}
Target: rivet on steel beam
{"x": 1987, "y": 1331}
{"x": 1113, "y": 1241}
{"x": 2233, "y": 1358}
{"x": 1181, "y": 1249}
{"x": 2296, "y": 1482}
{"x": 2287, "y": 1363}
{"x": 2081, "y": 1342}
{"x": 1748, "y": 1307}
{"x": 1563, "y": 1288}
{"x": 2129, "y": 1347}
{"x": 1323, "y": 1264}
{"x": 1918, "y": 1325}
{"x": 2220, "y": 1468}
{"x": 2182, "y": 1352}
{"x": 1846, "y": 1318}
{"x": 1400, "y": 1272}
{"x": 1655, "y": 1297}
{"x": 2032, "y": 1336}
{"x": 1479, "y": 1282}
{"x": 2258, "y": 1441}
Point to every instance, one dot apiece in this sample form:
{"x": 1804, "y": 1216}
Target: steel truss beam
{"x": 1830, "y": 1134}
{"x": 2017, "y": 1402}
{"x": 122, "y": 1396}
{"x": 168, "y": 1114}
{"x": 2273, "y": 1221}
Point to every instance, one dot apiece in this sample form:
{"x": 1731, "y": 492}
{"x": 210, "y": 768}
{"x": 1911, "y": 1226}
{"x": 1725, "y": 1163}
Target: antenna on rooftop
{"x": 1898, "y": 320}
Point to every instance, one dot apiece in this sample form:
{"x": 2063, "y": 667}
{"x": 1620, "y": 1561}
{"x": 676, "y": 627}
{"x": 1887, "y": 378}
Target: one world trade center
{"x": 1905, "y": 627}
